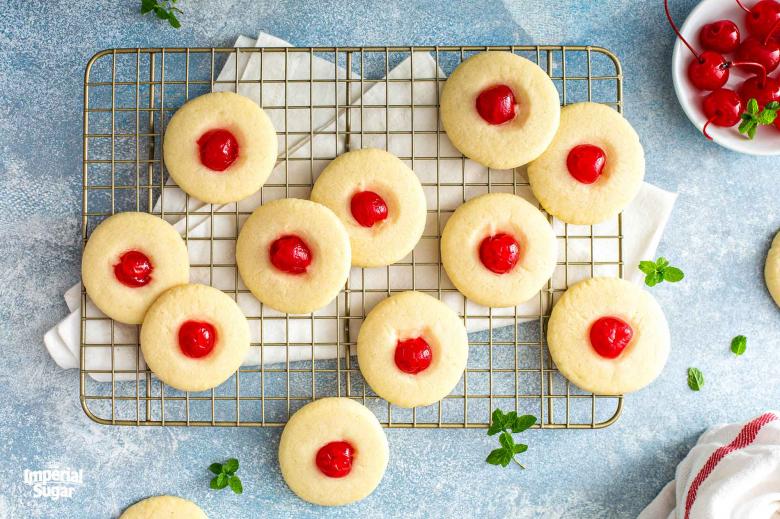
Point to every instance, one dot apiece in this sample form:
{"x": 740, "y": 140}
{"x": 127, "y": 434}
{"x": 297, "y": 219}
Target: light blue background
{"x": 719, "y": 234}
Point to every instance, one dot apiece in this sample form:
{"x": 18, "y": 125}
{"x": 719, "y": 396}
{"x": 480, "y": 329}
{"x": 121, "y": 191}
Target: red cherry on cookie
{"x": 218, "y": 149}
{"x": 499, "y": 253}
{"x": 290, "y": 254}
{"x": 586, "y": 162}
{"x": 761, "y": 17}
{"x": 721, "y": 36}
{"x": 609, "y": 336}
{"x": 335, "y": 459}
{"x": 723, "y": 107}
{"x": 197, "y": 338}
{"x": 764, "y": 92}
{"x": 767, "y": 52}
{"x": 413, "y": 355}
{"x": 496, "y": 104}
{"x": 368, "y": 208}
{"x": 134, "y": 269}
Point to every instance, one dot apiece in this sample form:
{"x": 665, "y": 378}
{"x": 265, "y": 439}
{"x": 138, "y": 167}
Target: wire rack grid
{"x": 321, "y": 106}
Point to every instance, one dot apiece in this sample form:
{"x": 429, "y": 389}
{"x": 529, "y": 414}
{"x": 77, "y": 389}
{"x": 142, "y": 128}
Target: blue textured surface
{"x": 719, "y": 234}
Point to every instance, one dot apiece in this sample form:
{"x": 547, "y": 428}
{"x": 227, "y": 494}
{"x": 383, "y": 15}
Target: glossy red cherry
{"x": 709, "y": 71}
{"x": 290, "y": 254}
{"x": 609, "y": 336}
{"x": 368, "y": 208}
{"x": 335, "y": 459}
{"x": 134, "y": 269}
{"x": 765, "y": 52}
{"x": 496, "y": 104}
{"x": 721, "y": 36}
{"x": 761, "y": 17}
{"x": 499, "y": 253}
{"x": 723, "y": 107}
{"x": 413, "y": 355}
{"x": 197, "y": 338}
{"x": 764, "y": 92}
{"x": 218, "y": 149}
{"x": 586, "y": 162}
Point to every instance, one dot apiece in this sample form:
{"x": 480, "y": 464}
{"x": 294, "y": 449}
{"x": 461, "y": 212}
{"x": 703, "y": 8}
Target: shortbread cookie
{"x": 194, "y": 337}
{"x": 220, "y": 147}
{"x": 594, "y": 167}
{"x": 772, "y": 269}
{"x": 500, "y": 109}
{"x": 294, "y": 255}
{"x": 164, "y": 507}
{"x": 380, "y": 202}
{"x": 608, "y": 336}
{"x": 412, "y": 349}
{"x": 129, "y": 260}
{"x": 498, "y": 250}
{"x": 333, "y": 451}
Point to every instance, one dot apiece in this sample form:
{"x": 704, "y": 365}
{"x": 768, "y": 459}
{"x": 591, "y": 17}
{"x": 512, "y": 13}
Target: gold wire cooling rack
{"x": 129, "y": 94}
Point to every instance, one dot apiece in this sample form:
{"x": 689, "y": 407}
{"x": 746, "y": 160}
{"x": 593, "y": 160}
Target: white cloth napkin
{"x": 643, "y": 221}
{"x": 733, "y": 472}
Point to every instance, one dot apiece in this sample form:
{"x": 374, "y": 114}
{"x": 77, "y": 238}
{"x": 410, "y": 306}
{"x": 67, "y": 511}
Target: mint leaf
{"x": 647, "y": 267}
{"x": 508, "y": 424}
{"x": 520, "y": 448}
{"x": 673, "y": 274}
{"x": 216, "y": 468}
{"x": 506, "y": 440}
{"x": 523, "y": 423}
{"x": 752, "y": 107}
{"x": 215, "y": 483}
{"x": 695, "y": 379}
{"x": 230, "y": 466}
{"x": 738, "y": 345}
{"x": 235, "y": 484}
{"x": 496, "y": 456}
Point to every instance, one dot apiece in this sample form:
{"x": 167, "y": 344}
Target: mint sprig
{"x": 695, "y": 379}
{"x": 163, "y": 9}
{"x": 738, "y": 345}
{"x": 226, "y": 476}
{"x": 753, "y": 117}
{"x": 508, "y": 424}
{"x": 659, "y": 271}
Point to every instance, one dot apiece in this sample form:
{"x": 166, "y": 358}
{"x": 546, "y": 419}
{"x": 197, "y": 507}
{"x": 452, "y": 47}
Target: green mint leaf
{"x": 510, "y": 418}
{"x": 738, "y": 345}
{"x": 495, "y": 457}
{"x": 695, "y": 379}
{"x": 216, "y": 468}
{"x": 506, "y": 441}
{"x": 767, "y": 117}
{"x": 774, "y": 105}
{"x": 147, "y": 6}
{"x": 222, "y": 481}
{"x": 520, "y": 448}
{"x": 752, "y": 132}
{"x": 648, "y": 267}
{"x": 495, "y": 428}
{"x": 673, "y": 274}
{"x": 653, "y": 279}
{"x": 752, "y": 107}
{"x": 175, "y": 23}
{"x": 214, "y": 483}
{"x": 161, "y": 13}
{"x": 230, "y": 466}
{"x": 499, "y": 422}
{"x": 235, "y": 485}
{"x": 523, "y": 423}
{"x": 662, "y": 262}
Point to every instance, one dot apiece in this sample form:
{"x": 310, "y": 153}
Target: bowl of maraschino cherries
{"x": 726, "y": 72}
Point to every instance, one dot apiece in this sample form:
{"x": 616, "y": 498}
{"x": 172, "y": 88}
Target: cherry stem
{"x": 739, "y": 2}
{"x": 762, "y": 69}
{"x": 771, "y": 32}
{"x": 704, "y": 130}
{"x": 677, "y": 32}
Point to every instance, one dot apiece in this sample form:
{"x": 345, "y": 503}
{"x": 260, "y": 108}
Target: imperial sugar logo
{"x": 54, "y": 482}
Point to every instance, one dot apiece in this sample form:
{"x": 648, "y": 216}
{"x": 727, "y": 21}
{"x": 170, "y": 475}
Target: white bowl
{"x": 767, "y": 141}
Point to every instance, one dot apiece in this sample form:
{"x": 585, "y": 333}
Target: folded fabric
{"x": 284, "y": 341}
{"x": 733, "y": 472}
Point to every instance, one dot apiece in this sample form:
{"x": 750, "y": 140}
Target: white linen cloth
{"x": 733, "y": 472}
{"x": 643, "y": 221}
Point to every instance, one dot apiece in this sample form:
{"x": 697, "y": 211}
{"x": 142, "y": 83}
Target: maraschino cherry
{"x": 218, "y": 149}
{"x": 763, "y": 89}
{"x": 134, "y": 269}
{"x": 609, "y": 336}
{"x": 723, "y": 107}
{"x": 368, "y": 208}
{"x": 721, "y": 36}
{"x": 766, "y": 51}
{"x": 413, "y": 355}
{"x": 499, "y": 253}
{"x": 290, "y": 254}
{"x": 496, "y": 104}
{"x": 197, "y": 338}
{"x": 586, "y": 162}
{"x": 334, "y": 459}
{"x": 762, "y": 17}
